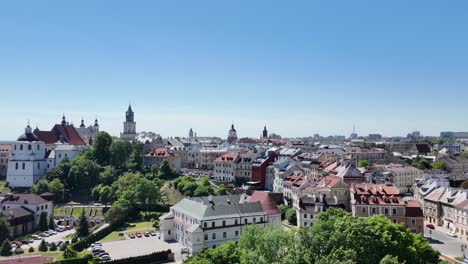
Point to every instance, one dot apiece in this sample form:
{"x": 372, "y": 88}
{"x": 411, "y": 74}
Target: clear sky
{"x": 300, "y": 67}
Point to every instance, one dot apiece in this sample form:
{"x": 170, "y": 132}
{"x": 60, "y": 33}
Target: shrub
{"x": 53, "y": 247}
{"x": 42, "y": 247}
{"x": 31, "y": 250}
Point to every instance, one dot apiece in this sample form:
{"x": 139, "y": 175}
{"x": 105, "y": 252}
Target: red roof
{"x": 68, "y": 132}
{"x": 367, "y": 193}
{"x": 413, "y": 209}
{"x": 268, "y": 205}
{"x": 228, "y": 157}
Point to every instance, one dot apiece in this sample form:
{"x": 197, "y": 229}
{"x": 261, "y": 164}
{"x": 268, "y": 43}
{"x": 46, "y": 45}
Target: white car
{"x": 452, "y": 234}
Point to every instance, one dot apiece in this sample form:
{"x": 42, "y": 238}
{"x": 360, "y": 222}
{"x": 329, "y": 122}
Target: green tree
{"x": 424, "y": 165}
{"x": 101, "y": 151}
{"x": 291, "y": 216}
{"x": 389, "y": 259}
{"x": 42, "y": 186}
{"x": 135, "y": 192}
{"x": 51, "y": 223}
{"x": 58, "y": 189}
{"x": 439, "y": 165}
{"x": 136, "y": 158}
{"x": 43, "y": 246}
{"x": 117, "y": 213}
{"x": 5, "y": 250}
{"x": 5, "y": 229}
{"x": 43, "y": 222}
{"x": 60, "y": 172}
{"x": 108, "y": 175}
{"x": 105, "y": 195}
{"x": 221, "y": 190}
{"x": 31, "y": 250}
{"x": 53, "y": 247}
{"x": 464, "y": 154}
{"x": 83, "y": 225}
{"x": 84, "y": 173}
{"x": 120, "y": 153}
{"x": 227, "y": 253}
{"x": 165, "y": 171}
{"x": 363, "y": 164}
{"x": 96, "y": 192}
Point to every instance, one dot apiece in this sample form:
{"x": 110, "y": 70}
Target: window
{"x": 38, "y": 147}
{"x": 394, "y": 211}
{"x": 213, "y": 236}
{"x": 235, "y": 222}
{"x": 206, "y": 237}
{"x": 60, "y": 156}
{"x": 204, "y": 225}
{"x": 224, "y": 223}
{"x": 305, "y": 223}
{"x": 16, "y": 165}
{"x": 394, "y": 221}
{"x": 255, "y": 220}
{"x": 261, "y": 219}
{"x": 305, "y": 216}
{"x": 21, "y": 147}
{"x": 24, "y": 165}
{"x": 373, "y": 210}
{"x": 29, "y": 147}
{"x": 237, "y": 233}
{"x": 212, "y": 224}
{"x": 224, "y": 235}
{"x": 168, "y": 232}
{"x": 386, "y": 211}
{"x": 413, "y": 222}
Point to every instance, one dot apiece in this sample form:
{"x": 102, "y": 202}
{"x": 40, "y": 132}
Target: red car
{"x": 138, "y": 234}
{"x": 430, "y": 226}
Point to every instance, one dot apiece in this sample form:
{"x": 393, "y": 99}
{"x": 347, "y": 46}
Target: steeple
{"x": 28, "y": 129}
{"x": 190, "y": 133}
{"x": 96, "y": 122}
{"x": 82, "y": 122}
{"x": 129, "y": 114}
{"x": 37, "y": 128}
{"x": 64, "y": 120}
{"x": 265, "y": 132}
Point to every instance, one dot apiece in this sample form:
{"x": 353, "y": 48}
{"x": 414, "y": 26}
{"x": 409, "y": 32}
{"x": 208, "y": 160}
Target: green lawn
{"x": 129, "y": 228}
{"x": 171, "y": 195}
{"x": 67, "y": 211}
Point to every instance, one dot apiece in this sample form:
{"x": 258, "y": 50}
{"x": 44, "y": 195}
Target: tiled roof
{"x": 23, "y": 198}
{"x": 48, "y": 137}
{"x": 413, "y": 209}
{"x": 268, "y": 205}
{"x": 228, "y": 157}
{"x": 68, "y": 132}
{"x": 162, "y": 153}
{"x": 367, "y": 193}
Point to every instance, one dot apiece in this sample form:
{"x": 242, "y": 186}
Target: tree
{"x": 84, "y": 173}
{"x": 120, "y": 153}
{"x": 53, "y": 247}
{"x": 389, "y": 259}
{"x": 108, "y": 175}
{"x": 101, "y": 151}
{"x": 226, "y": 253}
{"x": 165, "y": 171}
{"x": 363, "y": 164}
{"x": 439, "y": 165}
{"x": 283, "y": 209}
{"x": 156, "y": 223}
{"x": 83, "y": 225}
{"x": 96, "y": 192}
{"x": 221, "y": 190}
{"x": 136, "y": 158}
{"x": 291, "y": 216}
{"x": 43, "y": 222}
{"x": 464, "y": 184}
{"x": 58, "y": 189}
{"x": 31, "y": 249}
{"x": 464, "y": 154}
{"x": 51, "y": 223}
{"x": 105, "y": 195}
{"x": 6, "y": 248}
{"x": 5, "y": 229}
{"x": 135, "y": 192}
{"x": 42, "y": 186}
{"x": 43, "y": 246}
{"x": 117, "y": 213}
{"x": 60, "y": 172}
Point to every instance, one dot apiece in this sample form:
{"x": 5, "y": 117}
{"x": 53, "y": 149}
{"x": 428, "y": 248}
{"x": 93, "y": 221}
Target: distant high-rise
{"x": 129, "y": 131}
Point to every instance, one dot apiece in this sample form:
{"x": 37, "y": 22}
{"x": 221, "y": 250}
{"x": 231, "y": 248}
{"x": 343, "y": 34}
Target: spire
{"x": 82, "y": 122}
{"x": 96, "y": 122}
{"x": 37, "y": 128}
{"x": 28, "y": 129}
{"x": 64, "y": 120}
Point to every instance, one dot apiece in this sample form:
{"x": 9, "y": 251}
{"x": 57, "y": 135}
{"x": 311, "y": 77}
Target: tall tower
{"x": 265, "y": 132}
{"x": 129, "y": 131}
{"x": 232, "y": 135}
{"x": 190, "y": 134}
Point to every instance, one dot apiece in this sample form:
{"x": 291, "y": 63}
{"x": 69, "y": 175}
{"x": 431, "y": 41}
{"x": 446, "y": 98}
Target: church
{"x": 129, "y": 131}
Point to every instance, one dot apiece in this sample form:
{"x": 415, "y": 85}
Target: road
{"x": 447, "y": 245}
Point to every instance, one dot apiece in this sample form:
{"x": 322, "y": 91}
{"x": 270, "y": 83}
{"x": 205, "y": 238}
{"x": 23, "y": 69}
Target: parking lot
{"x": 140, "y": 246}
{"x": 60, "y": 236}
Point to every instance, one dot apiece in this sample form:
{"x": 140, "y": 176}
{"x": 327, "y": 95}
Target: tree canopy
{"x": 5, "y": 228}
{"x": 337, "y": 237}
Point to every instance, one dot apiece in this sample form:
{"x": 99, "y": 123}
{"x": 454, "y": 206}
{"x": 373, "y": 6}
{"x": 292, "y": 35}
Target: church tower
{"x": 129, "y": 131}
{"x": 190, "y": 134}
{"x": 265, "y": 132}
{"x": 232, "y": 135}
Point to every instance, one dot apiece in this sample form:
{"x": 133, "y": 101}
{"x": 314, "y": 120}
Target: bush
{"x": 53, "y": 247}
{"x": 283, "y": 209}
{"x": 291, "y": 216}
{"x": 6, "y": 248}
{"x": 63, "y": 247}
{"x": 31, "y": 250}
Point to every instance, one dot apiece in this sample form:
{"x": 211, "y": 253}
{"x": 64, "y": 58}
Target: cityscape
{"x": 208, "y": 132}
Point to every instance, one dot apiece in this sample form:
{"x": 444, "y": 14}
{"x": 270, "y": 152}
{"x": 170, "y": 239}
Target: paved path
{"x": 447, "y": 245}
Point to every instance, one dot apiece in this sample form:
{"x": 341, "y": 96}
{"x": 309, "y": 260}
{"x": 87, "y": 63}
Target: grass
{"x": 127, "y": 229}
{"x": 57, "y": 255}
{"x": 67, "y": 211}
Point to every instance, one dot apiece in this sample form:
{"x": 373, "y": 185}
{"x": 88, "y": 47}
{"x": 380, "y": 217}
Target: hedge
{"x": 72, "y": 261}
{"x": 156, "y": 257}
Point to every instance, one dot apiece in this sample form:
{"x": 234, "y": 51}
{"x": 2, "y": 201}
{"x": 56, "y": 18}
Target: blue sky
{"x": 300, "y": 67}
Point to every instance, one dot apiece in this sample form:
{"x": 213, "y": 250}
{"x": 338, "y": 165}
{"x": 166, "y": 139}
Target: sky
{"x": 298, "y": 67}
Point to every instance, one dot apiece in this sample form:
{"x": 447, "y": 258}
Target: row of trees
{"x": 337, "y": 237}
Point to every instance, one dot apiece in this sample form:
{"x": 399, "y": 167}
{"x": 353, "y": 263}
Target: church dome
{"x": 29, "y": 137}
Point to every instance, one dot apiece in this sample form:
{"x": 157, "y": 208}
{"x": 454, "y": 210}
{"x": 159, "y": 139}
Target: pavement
{"x": 141, "y": 246}
{"x": 447, "y": 245}
{"x": 54, "y": 238}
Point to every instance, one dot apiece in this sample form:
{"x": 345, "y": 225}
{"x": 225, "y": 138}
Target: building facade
{"x": 5, "y": 152}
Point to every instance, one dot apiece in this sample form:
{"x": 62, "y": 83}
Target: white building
{"x": 211, "y": 221}
{"x": 62, "y": 151}
{"x": 27, "y": 163}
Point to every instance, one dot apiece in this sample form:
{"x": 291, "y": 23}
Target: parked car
{"x": 430, "y": 226}
{"x": 146, "y": 234}
{"x": 58, "y": 243}
{"x": 99, "y": 243}
{"x": 31, "y": 240}
{"x": 44, "y": 235}
{"x": 105, "y": 258}
{"x": 36, "y": 237}
{"x": 138, "y": 234}
{"x": 58, "y": 229}
{"x": 153, "y": 233}
{"x": 452, "y": 234}
{"x": 24, "y": 242}
{"x": 131, "y": 235}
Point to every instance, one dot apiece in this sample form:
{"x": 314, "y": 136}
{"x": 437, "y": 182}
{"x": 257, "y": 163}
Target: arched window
{"x": 21, "y": 147}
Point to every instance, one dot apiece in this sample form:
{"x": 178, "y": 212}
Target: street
{"x": 447, "y": 245}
